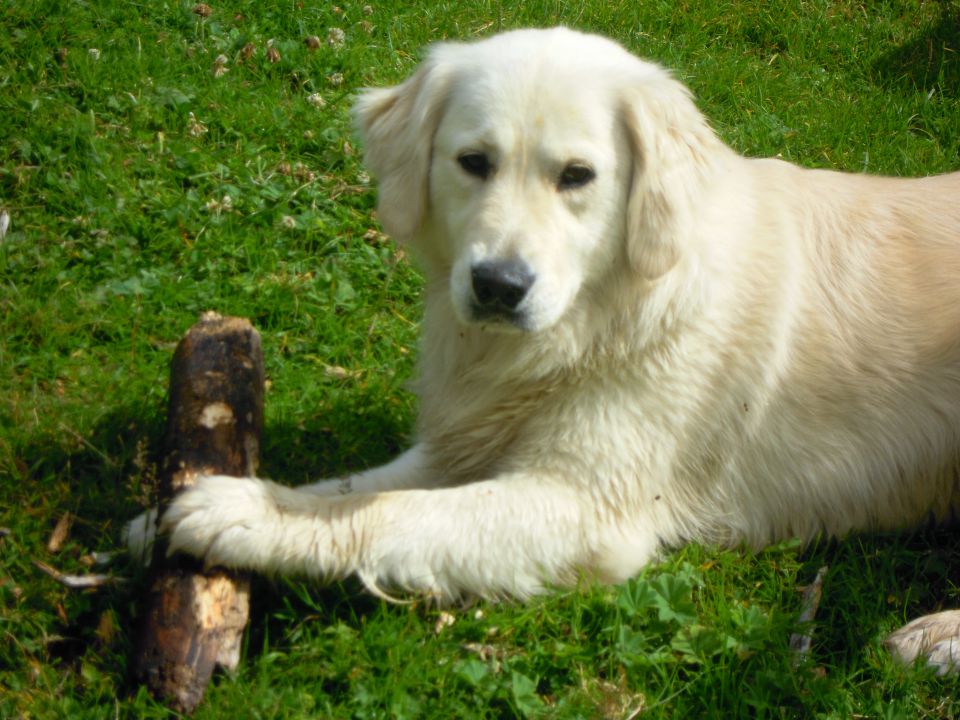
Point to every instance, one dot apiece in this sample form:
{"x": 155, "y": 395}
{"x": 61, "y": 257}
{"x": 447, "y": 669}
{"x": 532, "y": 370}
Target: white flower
{"x": 444, "y": 620}
{"x": 195, "y": 127}
{"x": 336, "y": 79}
{"x": 220, "y": 66}
{"x": 94, "y": 53}
{"x": 224, "y": 204}
{"x": 288, "y": 222}
{"x": 316, "y": 99}
{"x": 273, "y": 55}
{"x": 336, "y": 37}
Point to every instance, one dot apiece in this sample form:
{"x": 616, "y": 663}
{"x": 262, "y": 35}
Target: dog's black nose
{"x": 501, "y": 285}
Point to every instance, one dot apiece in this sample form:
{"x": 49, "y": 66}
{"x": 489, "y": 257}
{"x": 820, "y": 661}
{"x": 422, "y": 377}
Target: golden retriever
{"x": 633, "y": 337}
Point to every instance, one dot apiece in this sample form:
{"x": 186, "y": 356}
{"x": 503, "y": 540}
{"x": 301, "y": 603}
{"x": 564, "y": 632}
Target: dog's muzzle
{"x": 499, "y": 288}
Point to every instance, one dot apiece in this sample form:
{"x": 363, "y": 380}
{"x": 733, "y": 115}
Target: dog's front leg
{"x": 410, "y": 470}
{"x": 512, "y": 536}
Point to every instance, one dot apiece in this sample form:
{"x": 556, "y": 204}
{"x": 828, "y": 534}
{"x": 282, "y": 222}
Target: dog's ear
{"x": 673, "y": 149}
{"x": 396, "y": 126}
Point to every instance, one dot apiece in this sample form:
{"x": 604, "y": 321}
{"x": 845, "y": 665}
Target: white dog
{"x": 633, "y": 337}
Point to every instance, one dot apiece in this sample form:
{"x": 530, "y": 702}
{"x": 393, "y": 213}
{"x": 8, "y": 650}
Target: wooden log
{"x": 194, "y": 617}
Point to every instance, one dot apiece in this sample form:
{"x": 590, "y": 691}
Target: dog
{"x": 633, "y": 338}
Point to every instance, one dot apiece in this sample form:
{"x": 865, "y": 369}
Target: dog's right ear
{"x": 396, "y": 126}
{"x": 673, "y": 149}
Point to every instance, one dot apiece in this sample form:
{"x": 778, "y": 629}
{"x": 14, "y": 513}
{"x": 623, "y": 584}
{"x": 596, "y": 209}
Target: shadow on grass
{"x": 109, "y": 475}
{"x": 873, "y": 575}
{"x": 930, "y": 60}
{"x": 349, "y": 437}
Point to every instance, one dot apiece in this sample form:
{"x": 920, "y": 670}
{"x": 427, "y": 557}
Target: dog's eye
{"x": 476, "y": 164}
{"x": 575, "y": 175}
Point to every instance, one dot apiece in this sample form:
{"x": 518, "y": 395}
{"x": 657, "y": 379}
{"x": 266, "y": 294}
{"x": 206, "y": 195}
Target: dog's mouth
{"x": 499, "y": 317}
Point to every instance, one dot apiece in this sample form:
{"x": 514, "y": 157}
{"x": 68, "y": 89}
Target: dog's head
{"x": 530, "y": 166}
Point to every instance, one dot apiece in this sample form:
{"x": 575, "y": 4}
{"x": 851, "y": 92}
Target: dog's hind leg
{"x": 934, "y": 638}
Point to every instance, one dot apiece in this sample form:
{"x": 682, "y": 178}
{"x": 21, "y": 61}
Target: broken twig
{"x": 801, "y": 642}
{"x": 76, "y": 582}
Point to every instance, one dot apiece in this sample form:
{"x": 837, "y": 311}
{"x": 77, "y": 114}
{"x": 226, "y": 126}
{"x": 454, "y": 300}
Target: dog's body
{"x": 633, "y": 337}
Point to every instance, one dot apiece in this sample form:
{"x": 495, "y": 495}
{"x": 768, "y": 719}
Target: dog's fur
{"x": 712, "y": 348}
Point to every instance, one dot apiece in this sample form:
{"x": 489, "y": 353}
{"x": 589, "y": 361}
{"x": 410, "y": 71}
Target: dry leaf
{"x": 61, "y": 532}
{"x": 339, "y": 373}
{"x": 106, "y": 628}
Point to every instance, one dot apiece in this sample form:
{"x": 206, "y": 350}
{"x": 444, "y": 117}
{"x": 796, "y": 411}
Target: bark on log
{"x": 194, "y": 617}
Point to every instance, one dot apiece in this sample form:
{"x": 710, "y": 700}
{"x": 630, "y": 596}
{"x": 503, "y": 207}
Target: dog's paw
{"x": 933, "y": 638}
{"x": 223, "y": 520}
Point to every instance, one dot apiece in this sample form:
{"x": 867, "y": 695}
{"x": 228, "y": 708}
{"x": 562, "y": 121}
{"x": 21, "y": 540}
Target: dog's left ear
{"x": 673, "y": 150}
{"x": 396, "y": 126}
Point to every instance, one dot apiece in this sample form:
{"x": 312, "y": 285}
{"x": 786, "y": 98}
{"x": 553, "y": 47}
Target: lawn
{"x": 159, "y": 159}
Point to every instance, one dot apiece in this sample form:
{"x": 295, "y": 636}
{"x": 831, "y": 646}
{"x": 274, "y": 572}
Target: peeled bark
{"x": 194, "y": 617}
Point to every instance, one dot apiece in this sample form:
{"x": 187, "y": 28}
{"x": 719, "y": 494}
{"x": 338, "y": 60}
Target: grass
{"x": 143, "y": 187}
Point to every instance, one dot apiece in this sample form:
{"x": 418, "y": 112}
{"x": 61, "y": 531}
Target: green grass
{"x": 114, "y": 168}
